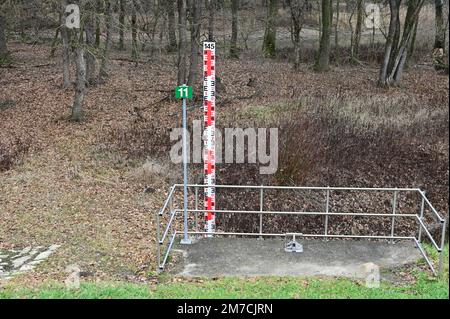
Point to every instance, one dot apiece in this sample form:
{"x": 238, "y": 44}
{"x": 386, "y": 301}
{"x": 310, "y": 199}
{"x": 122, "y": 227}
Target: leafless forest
{"x": 85, "y": 113}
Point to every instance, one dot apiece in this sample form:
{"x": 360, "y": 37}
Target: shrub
{"x": 12, "y": 151}
{"x": 375, "y": 142}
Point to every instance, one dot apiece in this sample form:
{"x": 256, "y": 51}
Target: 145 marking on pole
{"x": 183, "y": 92}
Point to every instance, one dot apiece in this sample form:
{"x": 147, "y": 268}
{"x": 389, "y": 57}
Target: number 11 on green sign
{"x": 183, "y": 92}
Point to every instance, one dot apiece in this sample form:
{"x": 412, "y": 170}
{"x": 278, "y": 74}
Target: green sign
{"x": 183, "y": 92}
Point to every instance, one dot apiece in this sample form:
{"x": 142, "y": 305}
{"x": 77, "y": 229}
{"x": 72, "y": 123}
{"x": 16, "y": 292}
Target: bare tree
{"x": 90, "y": 44}
{"x": 210, "y": 6}
{"x": 80, "y": 90}
{"x": 336, "y": 33}
{"x": 134, "y": 45}
{"x": 323, "y": 57}
{"x": 396, "y": 47}
{"x": 269, "y": 43}
{"x": 3, "y": 46}
{"x": 99, "y": 9}
{"x": 298, "y": 9}
{"x": 104, "y": 66}
{"x": 170, "y": 10}
{"x": 439, "y": 38}
{"x": 358, "y": 30}
{"x": 181, "y": 63}
{"x": 195, "y": 7}
{"x": 55, "y": 38}
{"x": 234, "y": 28}
{"x": 121, "y": 24}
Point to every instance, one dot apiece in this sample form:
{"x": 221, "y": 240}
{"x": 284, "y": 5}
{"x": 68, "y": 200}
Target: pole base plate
{"x": 185, "y": 241}
{"x": 293, "y": 246}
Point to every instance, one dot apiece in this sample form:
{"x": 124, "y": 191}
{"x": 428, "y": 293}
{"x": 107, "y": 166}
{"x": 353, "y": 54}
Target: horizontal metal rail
{"x": 305, "y": 187}
{"x": 297, "y": 234}
{"x": 224, "y": 211}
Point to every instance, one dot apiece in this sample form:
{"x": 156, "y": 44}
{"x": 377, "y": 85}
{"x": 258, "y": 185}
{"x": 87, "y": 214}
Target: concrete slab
{"x": 213, "y": 257}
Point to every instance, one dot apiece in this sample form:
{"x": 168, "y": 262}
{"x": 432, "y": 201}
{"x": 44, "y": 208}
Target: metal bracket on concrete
{"x": 293, "y": 246}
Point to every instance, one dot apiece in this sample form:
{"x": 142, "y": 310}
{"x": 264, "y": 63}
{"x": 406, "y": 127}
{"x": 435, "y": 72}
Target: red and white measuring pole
{"x": 209, "y": 156}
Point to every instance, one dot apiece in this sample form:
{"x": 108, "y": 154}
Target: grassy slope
{"x": 424, "y": 286}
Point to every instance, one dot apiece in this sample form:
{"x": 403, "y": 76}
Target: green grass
{"x": 425, "y": 286}
{"x": 263, "y": 287}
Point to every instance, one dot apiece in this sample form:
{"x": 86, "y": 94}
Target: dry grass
{"x": 381, "y": 141}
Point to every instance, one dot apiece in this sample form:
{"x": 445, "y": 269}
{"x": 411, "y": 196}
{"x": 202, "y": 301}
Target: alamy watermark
{"x": 260, "y": 144}
{"x": 372, "y": 275}
{"x": 372, "y": 20}
{"x": 73, "y": 17}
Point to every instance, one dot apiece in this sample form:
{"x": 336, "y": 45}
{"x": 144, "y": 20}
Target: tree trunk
{"x": 412, "y": 46}
{"x": 104, "y": 66}
{"x": 297, "y": 8}
{"x": 97, "y": 23}
{"x": 439, "y": 39}
{"x": 121, "y": 24}
{"x": 394, "y": 8}
{"x": 3, "y": 46}
{"x": 336, "y": 34}
{"x": 352, "y": 33}
{"x": 270, "y": 33}
{"x": 407, "y": 40}
{"x": 396, "y": 49}
{"x": 358, "y": 28}
{"x": 54, "y": 41}
{"x": 65, "y": 46}
{"x": 77, "y": 108}
{"x": 234, "y": 28}
{"x": 210, "y": 5}
{"x": 181, "y": 63}
{"x": 323, "y": 58}
{"x": 171, "y": 25}
{"x": 195, "y": 40}
{"x": 134, "y": 45}
{"x": 90, "y": 44}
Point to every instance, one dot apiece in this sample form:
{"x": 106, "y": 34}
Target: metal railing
{"x": 168, "y": 215}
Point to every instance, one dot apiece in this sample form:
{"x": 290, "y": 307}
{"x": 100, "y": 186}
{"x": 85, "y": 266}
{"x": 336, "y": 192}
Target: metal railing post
{"x": 422, "y": 206}
{"x": 158, "y": 244}
{"x": 261, "y": 203}
{"x": 327, "y": 210}
{"x": 196, "y": 207}
{"x": 394, "y": 208}
{"x": 441, "y": 254}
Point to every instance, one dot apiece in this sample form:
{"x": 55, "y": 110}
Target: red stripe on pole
{"x": 208, "y": 63}
{"x": 208, "y": 113}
